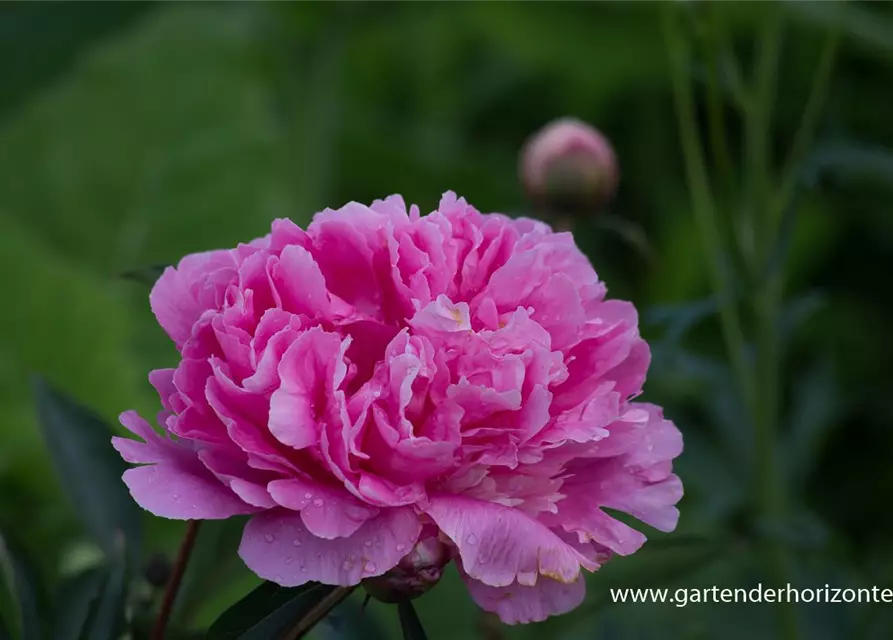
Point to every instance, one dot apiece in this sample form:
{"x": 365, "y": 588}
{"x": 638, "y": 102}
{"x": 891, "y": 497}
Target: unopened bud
{"x": 416, "y": 573}
{"x": 568, "y": 167}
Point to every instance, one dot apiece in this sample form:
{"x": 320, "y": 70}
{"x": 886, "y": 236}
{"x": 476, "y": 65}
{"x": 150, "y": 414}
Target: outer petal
{"x": 499, "y": 545}
{"x": 175, "y": 484}
{"x": 277, "y": 546}
{"x": 516, "y": 604}
{"x": 170, "y": 491}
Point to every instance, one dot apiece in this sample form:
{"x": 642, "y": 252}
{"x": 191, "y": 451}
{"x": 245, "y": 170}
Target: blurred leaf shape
{"x": 20, "y": 590}
{"x": 76, "y": 603}
{"x": 268, "y": 611}
{"x": 864, "y": 27}
{"x": 850, "y": 160}
{"x": 817, "y": 404}
{"x": 409, "y": 622}
{"x": 90, "y": 470}
{"x": 145, "y": 275}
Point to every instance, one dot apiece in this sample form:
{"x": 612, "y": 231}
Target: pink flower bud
{"x": 569, "y": 167}
{"x": 416, "y": 573}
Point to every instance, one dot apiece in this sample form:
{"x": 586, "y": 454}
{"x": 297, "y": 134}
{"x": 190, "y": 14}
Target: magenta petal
{"x": 517, "y": 604}
{"x": 326, "y": 512}
{"x": 277, "y": 547}
{"x": 500, "y": 545}
{"x": 170, "y": 491}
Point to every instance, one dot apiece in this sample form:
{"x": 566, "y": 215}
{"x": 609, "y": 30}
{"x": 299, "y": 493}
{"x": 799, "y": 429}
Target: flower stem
{"x": 702, "y": 203}
{"x": 173, "y": 583}
{"x": 317, "y": 613}
{"x": 803, "y": 138}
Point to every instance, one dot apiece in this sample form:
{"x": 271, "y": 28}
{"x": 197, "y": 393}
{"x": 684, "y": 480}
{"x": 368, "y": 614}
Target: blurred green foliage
{"x": 132, "y": 135}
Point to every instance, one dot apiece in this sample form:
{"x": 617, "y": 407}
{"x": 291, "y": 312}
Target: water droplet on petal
{"x": 279, "y": 577}
{"x": 288, "y": 560}
{"x": 317, "y": 502}
{"x": 176, "y": 496}
{"x": 348, "y": 565}
{"x": 318, "y": 556}
{"x": 471, "y": 539}
{"x": 303, "y": 569}
{"x": 308, "y": 495}
{"x": 367, "y": 544}
{"x": 297, "y": 542}
{"x": 401, "y": 547}
{"x": 269, "y": 537}
{"x": 369, "y": 568}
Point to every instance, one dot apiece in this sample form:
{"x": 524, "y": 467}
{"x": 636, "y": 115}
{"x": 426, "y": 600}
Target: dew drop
{"x": 318, "y": 556}
{"x": 296, "y": 542}
{"x": 369, "y": 568}
{"x": 401, "y": 547}
{"x": 471, "y": 539}
{"x": 348, "y": 565}
{"x": 367, "y": 544}
{"x": 303, "y": 569}
{"x": 269, "y": 537}
{"x": 308, "y": 495}
{"x": 279, "y": 577}
{"x": 317, "y": 502}
{"x": 176, "y": 496}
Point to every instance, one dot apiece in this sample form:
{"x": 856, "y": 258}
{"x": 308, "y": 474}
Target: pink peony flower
{"x": 382, "y": 376}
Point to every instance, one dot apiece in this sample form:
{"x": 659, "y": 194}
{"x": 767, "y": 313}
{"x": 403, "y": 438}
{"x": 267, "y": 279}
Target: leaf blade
{"x": 90, "y": 470}
{"x": 267, "y": 611}
{"x": 410, "y": 623}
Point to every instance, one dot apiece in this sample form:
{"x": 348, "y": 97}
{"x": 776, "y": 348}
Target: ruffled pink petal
{"x": 500, "y": 545}
{"x": 517, "y": 604}
{"x": 327, "y": 512}
{"x": 278, "y": 547}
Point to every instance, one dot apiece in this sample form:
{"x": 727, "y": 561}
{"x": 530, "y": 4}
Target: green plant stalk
{"x": 805, "y": 132}
{"x": 702, "y": 203}
{"x": 768, "y": 489}
{"x": 320, "y": 611}
{"x": 758, "y": 128}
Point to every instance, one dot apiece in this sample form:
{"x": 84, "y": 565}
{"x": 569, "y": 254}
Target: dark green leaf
{"x": 108, "y": 622}
{"x": 816, "y": 407}
{"x": 90, "y": 469}
{"x": 410, "y": 623}
{"x": 145, "y": 275}
{"x": 267, "y": 611}
{"x": 76, "y": 603}
{"x": 19, "y": 580}
{"x": 350, "y": 621}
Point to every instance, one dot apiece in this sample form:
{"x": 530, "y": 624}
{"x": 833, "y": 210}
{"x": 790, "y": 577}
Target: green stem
{"x": 803, "y": 138}
{"x": 702, "y": 201}
{"x": 317, "y": 613}
{"x": 758, "y": 131}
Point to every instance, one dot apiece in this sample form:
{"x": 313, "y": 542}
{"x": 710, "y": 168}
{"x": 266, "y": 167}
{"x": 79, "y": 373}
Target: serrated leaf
{"x": 90, "y": 470}
{"x": 20, "y": 581}
{"x": 410, "y": 623}
{"x": 76, "y": 603}
{"x": 267, "y": 611}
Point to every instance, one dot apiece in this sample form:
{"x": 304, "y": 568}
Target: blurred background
{"x": 134, "y": 133}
